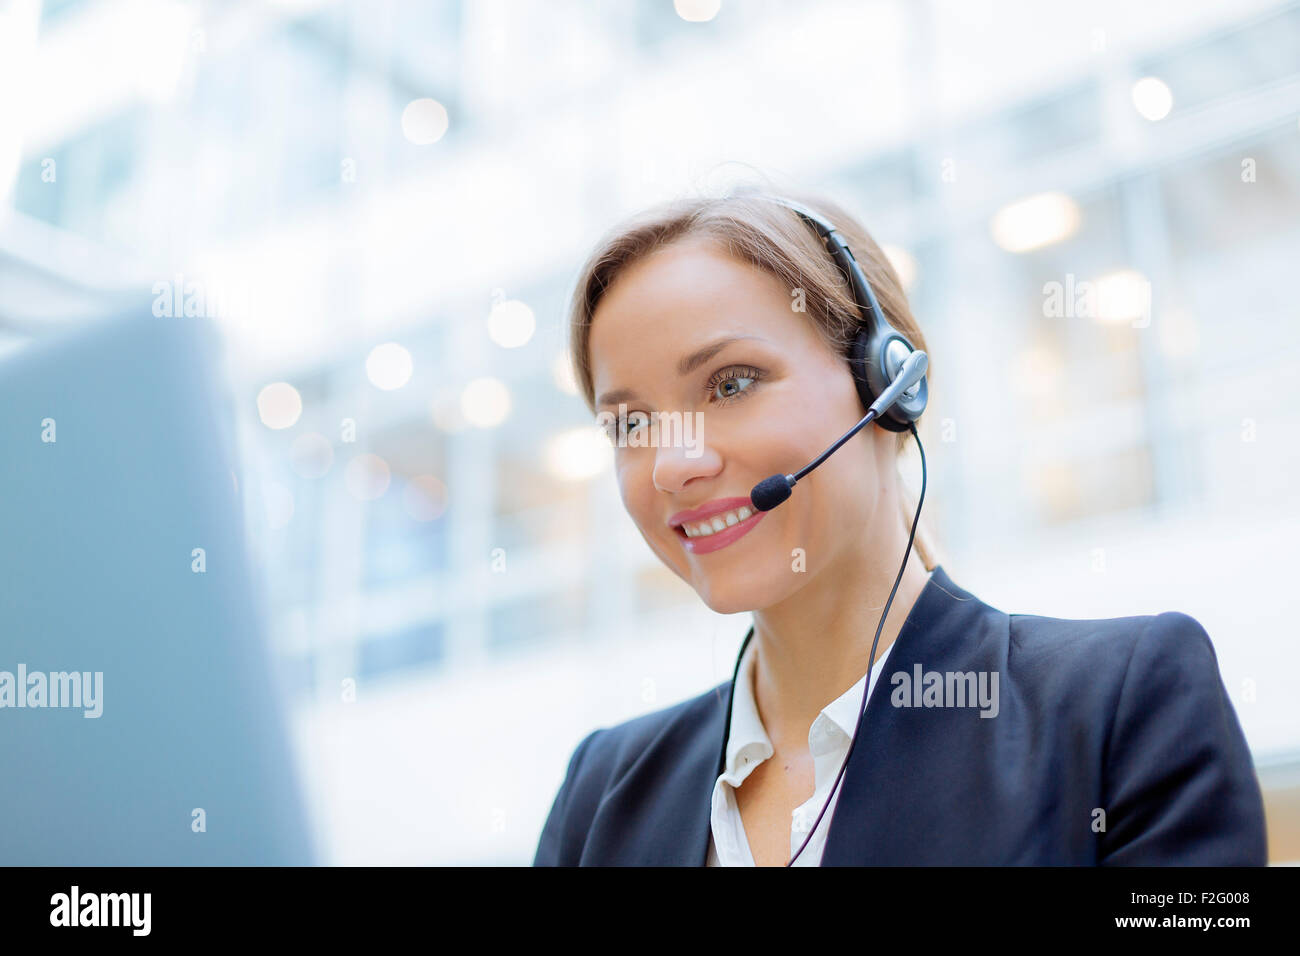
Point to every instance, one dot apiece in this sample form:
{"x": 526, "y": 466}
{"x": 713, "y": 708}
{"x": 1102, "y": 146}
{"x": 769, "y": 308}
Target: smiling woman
{"x": 732, "y": 311}
{"x": 755, "y": 240}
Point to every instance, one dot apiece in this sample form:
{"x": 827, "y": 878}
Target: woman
{"x": 997, "y": 738}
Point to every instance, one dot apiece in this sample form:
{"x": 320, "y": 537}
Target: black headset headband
{"x": 844, "y": 258}
{"x": 879, "y": 349}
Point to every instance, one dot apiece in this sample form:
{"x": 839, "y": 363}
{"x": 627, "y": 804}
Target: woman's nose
{"x": 676, "y": 465}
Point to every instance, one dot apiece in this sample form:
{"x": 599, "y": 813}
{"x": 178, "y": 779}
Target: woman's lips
{"x": 720, "y": 539}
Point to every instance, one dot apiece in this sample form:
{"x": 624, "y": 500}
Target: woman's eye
{"x": 728, "y": 384}
{"x": 730, "y": 388}
{"x": 624, "y": 426}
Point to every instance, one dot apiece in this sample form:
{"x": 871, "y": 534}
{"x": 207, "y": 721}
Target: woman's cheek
{"x": 626, "y": 489}
{"x": 642, "y": 514}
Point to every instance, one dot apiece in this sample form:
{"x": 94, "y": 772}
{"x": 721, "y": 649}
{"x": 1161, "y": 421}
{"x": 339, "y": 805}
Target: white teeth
{"x": 718, "y": 523}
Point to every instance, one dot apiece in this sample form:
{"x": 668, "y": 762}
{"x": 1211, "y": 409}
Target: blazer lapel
{"x": 665, "y": 799}
{"x": 701, "y": 771}
{"x": 943, "y": 618}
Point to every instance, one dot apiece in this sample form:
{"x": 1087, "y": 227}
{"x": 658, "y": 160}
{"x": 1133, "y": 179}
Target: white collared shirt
{"x": 748, "y": 746}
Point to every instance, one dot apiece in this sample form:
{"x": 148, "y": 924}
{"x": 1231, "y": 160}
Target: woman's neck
{"x": 814, "y": 646}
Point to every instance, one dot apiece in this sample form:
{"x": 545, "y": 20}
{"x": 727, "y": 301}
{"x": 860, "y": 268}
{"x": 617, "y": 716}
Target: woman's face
{"x": 765, "y": 404}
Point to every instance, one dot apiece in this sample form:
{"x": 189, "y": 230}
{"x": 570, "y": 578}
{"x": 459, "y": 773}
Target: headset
{"x": 890, "y": 374}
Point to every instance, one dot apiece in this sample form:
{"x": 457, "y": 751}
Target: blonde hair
{"x": 773, "y": 238}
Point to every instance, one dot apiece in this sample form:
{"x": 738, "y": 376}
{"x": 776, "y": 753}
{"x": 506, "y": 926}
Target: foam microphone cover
{"x": 770, "y": 492}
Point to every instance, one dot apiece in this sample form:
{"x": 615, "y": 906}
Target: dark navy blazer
{"x": 1114, "y": 742}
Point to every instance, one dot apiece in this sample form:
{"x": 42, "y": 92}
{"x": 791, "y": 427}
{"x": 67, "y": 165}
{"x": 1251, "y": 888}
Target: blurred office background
{"x": 1095, "y": 207}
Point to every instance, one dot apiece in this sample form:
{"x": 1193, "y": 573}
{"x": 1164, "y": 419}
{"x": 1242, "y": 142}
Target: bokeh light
{"x": 1153, "y": 98}
{"x": 1035, "y": 222}
{"x": 424, "y": 121}
{"x": 577, "y": 454}
{"x": 511, "y": 323}
{"x": 1123, "y": 295}
{"x": 697, "y": 11}
{"x": 388, "y": 366}
{"x": 279, "y": 405}
{"x": 485, "y": 402}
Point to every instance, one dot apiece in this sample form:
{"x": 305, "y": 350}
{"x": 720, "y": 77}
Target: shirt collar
{"x": 747, "y": 730}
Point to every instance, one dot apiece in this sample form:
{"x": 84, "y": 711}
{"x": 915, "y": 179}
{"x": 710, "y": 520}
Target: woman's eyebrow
{"x": 686, "y": 365}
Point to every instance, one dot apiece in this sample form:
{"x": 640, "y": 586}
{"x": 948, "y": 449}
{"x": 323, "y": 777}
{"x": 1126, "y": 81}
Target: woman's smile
{"x": 711, "y": 534}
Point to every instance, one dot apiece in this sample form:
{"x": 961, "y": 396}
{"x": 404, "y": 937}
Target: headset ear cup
{"x": 858, "y": 366}
{"x": 867, "y": 361}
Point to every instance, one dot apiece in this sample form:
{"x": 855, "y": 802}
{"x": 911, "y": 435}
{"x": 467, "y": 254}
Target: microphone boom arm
{"x": 770, "y": 492}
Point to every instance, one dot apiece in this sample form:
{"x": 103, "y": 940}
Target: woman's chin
{"x": 734, "y": 597}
